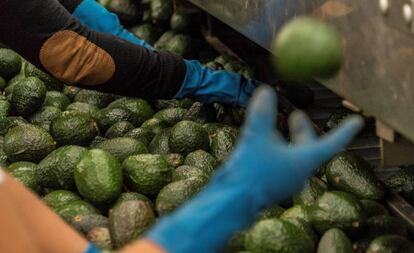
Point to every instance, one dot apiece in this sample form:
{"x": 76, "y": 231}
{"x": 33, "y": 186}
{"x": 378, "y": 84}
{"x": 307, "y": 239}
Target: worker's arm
{"x": 262, "y": 171}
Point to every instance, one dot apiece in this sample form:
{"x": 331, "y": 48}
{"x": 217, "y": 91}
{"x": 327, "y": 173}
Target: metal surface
{"x": 378, "y": 73}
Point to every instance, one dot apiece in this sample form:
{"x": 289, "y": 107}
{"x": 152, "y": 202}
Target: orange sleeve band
{"x": 143, "y": 246}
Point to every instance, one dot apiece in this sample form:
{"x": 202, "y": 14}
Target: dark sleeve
{"x": 70, "y": 5}
{"x": 46, "y": 34}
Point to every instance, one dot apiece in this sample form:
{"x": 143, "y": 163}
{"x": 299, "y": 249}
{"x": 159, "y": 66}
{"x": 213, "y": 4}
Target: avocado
{"x": 71, "y": 91}
{"x": 119, "y": 129}
{"x": 59, "y": 198}
{"x": 98, "y": 176}
{"x": 4, "y": 108}
{"x": 372, "y": 208}
{"x": 83, "y": 223}
{"x": 202, "y": 160}
{"x": 128, "y": 11}
{"x": 225, "y": 58}
{"x": 147, "y": 32}
{"x": 129, "y": 220}
{"x": 154, "y": 125}
{"x": 401, "y": 182}
{"x": 296, "y": 212}
{"x": 390, "y": 244}
{"x": 214, "y": 65}
{"x": 160, "y": 143}
{"x": 109, "y": 116}
{"x": 12, "y": 82}
{"x": 277, "y": 236}
{"x": 92, "y": 97}
{"x": 335, "y": 241}
{"x": 201, "y": 113}
{"x": 83, "y": 108}
{"x": 174, "y": 160}
{"x": 213, "y": 128}
{"x": 162, "y": 104}
{"x": 349, "y": 172}
{"x": 186, "y": 172}
{"x": 3, "y": 83}
{"x": 56, "y": 99}
{"x": 140, "y": 109}
{"x": 100, "y": 237}
{"x": 305, "y": 226}
{"x": 147, "y": 173}
{"x": 28, "y": 143}
{"x": 236, "y": 243}
{"x": 336, "y": 209}
{"x": 222, "y": 144}
{"x": 161, "y": 11}
{"x": 28, "y": 96}
{"x": 3, "y": 158}
{"x": 127, "y": 196}
{"x": 188, "y": 136}
{"x": 233, "y": 66}
{"x": 50, "y": 82}
{"x": 181, "y": 45}
{"x": 98, "y": 139}
{"x": 9, "y": 122}
{"x": 181, "y": 22}
{"x": 313, "y": 189}
{"x": 74, "y": 208}
{"x": 176, "y": 193}
{"x": 141, "y": 134}
{"x": 171, "y": 116}
{"x": 247, "y": 72}
{"x": 123, "y": 147}
{"x": 164, "y": 39}
{"x": 10, "y": 63}
{"x": 26, "y": 174}
{"x": 74, "y": 128}
{"x": 45, "y": 116}
{"x": 271, "y": 212}
{"x": 56, "y": 169}
{"x": 384, "y": 224}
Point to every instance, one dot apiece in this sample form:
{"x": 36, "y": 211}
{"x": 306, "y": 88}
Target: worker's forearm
{"x": 46, "y": 34}
{"x": 48, "y": 232}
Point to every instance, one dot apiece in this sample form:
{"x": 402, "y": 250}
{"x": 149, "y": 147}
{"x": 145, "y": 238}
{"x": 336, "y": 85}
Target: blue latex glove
{"x": 207, "y": 85}
{"x": 263, "y": 170}
{"x": 92, "y": 249}
{"x": 95, "y": 16}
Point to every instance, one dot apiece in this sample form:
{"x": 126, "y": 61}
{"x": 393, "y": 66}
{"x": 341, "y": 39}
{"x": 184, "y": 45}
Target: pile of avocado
{"x": 110, "y": 166}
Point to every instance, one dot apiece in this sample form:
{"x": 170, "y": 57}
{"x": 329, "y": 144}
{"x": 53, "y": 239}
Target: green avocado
{"x": 202, "y": 160}
{"x": 83, "y": 223}
{"x": 4, "y": 108}
{"x": 402, "y": 182}
{"x": 161, "y": 11}
{"x": 174, "y": 160}
{"x": 222, "y": 144}
{"x": 74, "y": 208}
{"x": 101, "y": 238}
{"x": 92, "y": 97}
{"x": 372, "y": 208}
{"x": 119, "y": 129}
{"x": 71, "y": 91}
{"x": 56, "y": 99}
{"x": 188, "y": 136}
{"x": 26, "y": 174}
{"x": 390, "y": 244}
{"x": 45, "y": 116}
{"x": 160, "y": 143}
{"x": 296, "y": 212}
{"x": 28, "y": 143}
{"x": 98, "y": 176}
{"x": 122, "y": 147}
{"x": 164, "y": 39}
{"x": 349, "y": 172}
{"x": 12, "y": 83}
{"x": 128, "y": 11}
{"x": 384, "y": 224}
{"x": 129, "y": 220}
{"x": 28, "y": 96}
{"x": 9, "y": 122}
{"x": 186, "y": 172}
{"x": 181, "y": 22}
{"x": 335, "y": 241}
{"x": 201, "y": 113}
{"x": 50, "y": 82}
{"x": 74, "y": 128}
{"x": 147, "y": 32}
{"x": 10, "y": 63}
{"x": 236, "y": 243}
{"x": 147, "y": 173}
{"x": 127, "y": 196}
{"x": 313, "y": 189}
{"x": 56, "y": 169}
{"x": 109, "y": 116}
{"x": 140, "y": 109}
{"x": 181, "y": 45}
{"x": 171, "y": 116}
{"x": 271, "y": 212}
{"x": 83, "y": 108}
{"x": 59, "y": 198}
{"x": 154, "y": 125}
{"x": 141, "y": 134}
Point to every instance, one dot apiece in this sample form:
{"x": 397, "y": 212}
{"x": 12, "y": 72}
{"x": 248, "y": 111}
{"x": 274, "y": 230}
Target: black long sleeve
{"x": 46, "y": 34}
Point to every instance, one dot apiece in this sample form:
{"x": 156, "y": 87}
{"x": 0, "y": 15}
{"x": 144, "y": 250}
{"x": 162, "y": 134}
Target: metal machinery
{"x": 378, "y": 75}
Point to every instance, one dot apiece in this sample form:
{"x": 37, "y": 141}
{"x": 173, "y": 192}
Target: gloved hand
{"x": 95, "y": 16}
{"x": 263, "y": 170}
{"x": 208, "y": 85}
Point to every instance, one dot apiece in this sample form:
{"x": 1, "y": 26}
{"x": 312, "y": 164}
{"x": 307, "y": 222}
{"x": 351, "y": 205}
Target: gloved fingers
{"x": 261, "y": 113}
{"x": 301, "y": 129}
{"x": 337, "y": 139}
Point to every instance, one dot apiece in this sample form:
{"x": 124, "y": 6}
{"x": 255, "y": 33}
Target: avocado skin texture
{"x": 188, "y": 136}
{"x": 129, "y": 220}
{"x": 147, "y": 173}
{"x": 296, "y": 212}
{"x": 381, "y": 225}
{"x": 141, "y": 134}
{"x": 56, "y": 169}
{"x": 45, "y": 116}
{"x": 107, "y": 117}
{"x": 349, "y": 172}
{"x": 335, "y": 241}
{"x": 50, "y": 82}
{"x": 119, "y": 129}
{"x": 10, "y": 63}
{"x": 336, "y": 209}
{"x": 160, "y": 142}
{"x": 92, "y": 97}
{"x": 4, "y": 108}
{"x": 146, "y": 32}
{"x": 74, "y": 208}
{"x": 390, "y": 244}
{"x": 186, "y": 172}
{"x": 83, "y": 108}
{"x": 25, "y": 173}
{"x": 176, "y": 193}
{"x": 71, "y": 91}
{"x": 277, "y": 236}
{"x": 28, "y": 96}
{"x": 171, "y": 116}
{"x": 161, "y": 11}
{"x": 9, "y": 122}
{"x": 56, "y": 99}
{"x": 59, "y": 198}
{"x": 373, "y": 208}
{"x": 402, "y": 182}
{"x": 127, "y": 196}
{"x": 139, "y": 108}
{"x": 85, "y": 222}
{"x": 174, "y": 160}
{"x": 74, "y": 128}
{"x": 101, "y": 238}
{"x": 122, "y": 147}
{"x": 202, "y": 160}
{"x": 271, "y": 212}
{"x": 222, "y": 144}
{"x": 98, "y": 176}
{"x": 28, "y": 143}
{"x": 313, "y": 189}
